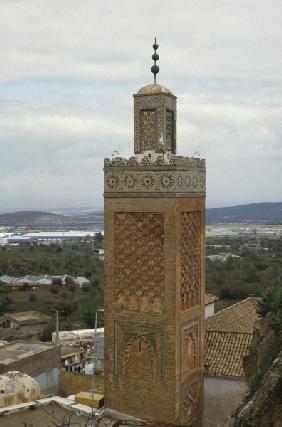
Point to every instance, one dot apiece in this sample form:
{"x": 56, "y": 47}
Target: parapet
{"x": 155, "y": 176}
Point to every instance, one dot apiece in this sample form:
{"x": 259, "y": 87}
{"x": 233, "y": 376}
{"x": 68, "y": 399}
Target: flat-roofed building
{"x": 41, "y": 361}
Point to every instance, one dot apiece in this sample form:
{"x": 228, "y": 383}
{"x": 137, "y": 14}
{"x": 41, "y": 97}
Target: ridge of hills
{"x": 254, "y": 212}
{"x": 43, "y": 219}
{"x": 262, "y": 212}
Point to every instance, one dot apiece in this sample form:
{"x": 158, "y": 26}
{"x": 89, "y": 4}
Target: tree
{"x": 46, "y": 333}
{"x": 33, "y": 297}
{"x": 5, "y": 295}
{"x": 66, "y": 307}
{"x": 95, "y": 283}
{"x": 54, "y": 290}
{"x": 24, "y": 287}
{"x": 271, "y": 301}
{"x": 70, "y": 284}
{"x": 69, "y": 281}
{"x": 57, "y": 281}
{"x": 89, "y": 317}
{"x": 99, "y": 237}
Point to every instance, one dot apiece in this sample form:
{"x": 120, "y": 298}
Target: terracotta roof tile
{"x": 210, "y": 298}
{"x": 228, "y": 335}
{"x": 224, "y": 352}
{"x": 239, "y": 317}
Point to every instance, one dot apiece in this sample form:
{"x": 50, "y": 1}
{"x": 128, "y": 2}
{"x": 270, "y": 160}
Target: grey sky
{"x": 68, "y": 70}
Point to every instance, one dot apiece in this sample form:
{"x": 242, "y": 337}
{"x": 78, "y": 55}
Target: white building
{"x": 209, "y": 305}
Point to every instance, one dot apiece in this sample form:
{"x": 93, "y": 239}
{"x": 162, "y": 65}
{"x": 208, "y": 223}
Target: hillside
{"x": 42, "y": 219}
{"x": 264, "y": 212}
{"x": 28, "y": 218}
{"x": 255, "y": 212}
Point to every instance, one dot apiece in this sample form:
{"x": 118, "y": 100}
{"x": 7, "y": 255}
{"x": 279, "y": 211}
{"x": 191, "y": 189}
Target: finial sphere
{"x": 155, "y": 69}
{"x": 155, "y": 46}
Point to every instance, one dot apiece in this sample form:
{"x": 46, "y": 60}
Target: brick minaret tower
{"x": 154, "y": 270}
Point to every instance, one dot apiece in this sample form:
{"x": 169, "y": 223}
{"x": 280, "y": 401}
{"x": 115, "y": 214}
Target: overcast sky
{"x": 68, "y": 70}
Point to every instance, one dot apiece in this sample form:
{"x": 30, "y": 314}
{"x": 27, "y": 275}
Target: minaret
{"x": 154, "y": 270}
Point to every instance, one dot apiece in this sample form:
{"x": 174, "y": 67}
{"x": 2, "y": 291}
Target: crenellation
{"x": 155, "y": 159}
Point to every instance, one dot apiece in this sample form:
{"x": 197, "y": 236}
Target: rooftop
{"x": 228, "y": 335}
{"x": 154, "y": 89}
{"x": 24, "y": 316}
{"x": 43, "y": 412}
{"x": 15, "y": 351}
{"x": 224, "y": 352}
{"x": 239, "y": 317}
{"x": 210, "y": 299}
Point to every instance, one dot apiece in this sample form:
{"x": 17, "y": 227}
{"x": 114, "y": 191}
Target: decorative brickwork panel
{"x": 190, "y": 351}
{"x": 189, "y": 402}
{"x": 148, "y": 132}
{"x": 123, "y": 180}
{"x": 139, "y": 350}
{"x": 139, "y": 359}
{"x": 170, "y": 131}
{"x": 190, "y": 259}
{"x": 139, "y": 262}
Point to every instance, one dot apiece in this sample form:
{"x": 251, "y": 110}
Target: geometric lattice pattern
{"x": 148, "y": 129}
{"x": 189, "y": 402}
{"x": 170, "y": 131}
{"x": 139, "y": 261}
{"x": 190, "y": 260}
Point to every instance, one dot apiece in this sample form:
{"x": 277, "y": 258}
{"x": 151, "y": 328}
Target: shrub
{"x": 271, "y": 301}
{"x": 33, "y": 297}
{"x": 57, "y": 281}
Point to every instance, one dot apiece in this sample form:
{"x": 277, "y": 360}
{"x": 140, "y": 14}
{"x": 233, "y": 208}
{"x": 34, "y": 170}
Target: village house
{"x": 42, "y": 361}
{"x": 23, "y": 324}
{"x": 228, "y": 335}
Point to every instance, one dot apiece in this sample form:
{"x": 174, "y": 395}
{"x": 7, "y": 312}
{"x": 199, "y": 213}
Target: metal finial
{"x": 155, "y": 68}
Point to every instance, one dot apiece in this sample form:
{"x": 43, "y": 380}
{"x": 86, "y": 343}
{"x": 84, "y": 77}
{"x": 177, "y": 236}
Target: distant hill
{"x": 28, "y": 218}
{"x": 45, "y": 219}
{"x": 262, "y": 212}
{"x": 255, "y": 212}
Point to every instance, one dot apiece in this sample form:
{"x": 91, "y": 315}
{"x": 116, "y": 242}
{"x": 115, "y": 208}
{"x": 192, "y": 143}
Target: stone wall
{"x": 74, "y": 383}
{"x": 35, "y": 364}
{"x": 221, "y": 398}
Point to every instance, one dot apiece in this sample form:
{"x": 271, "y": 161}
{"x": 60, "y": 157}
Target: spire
{"x": 155, "y": 68}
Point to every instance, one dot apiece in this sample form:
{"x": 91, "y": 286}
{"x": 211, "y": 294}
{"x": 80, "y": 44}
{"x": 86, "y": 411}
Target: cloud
{"x": 68, "y": 70}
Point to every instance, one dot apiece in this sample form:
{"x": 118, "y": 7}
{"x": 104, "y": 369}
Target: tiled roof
{"x": 224, "y": 352}
{"x": 239, "y": 317}
{"x": 23, "y": 316}
{"x": 210, "y": 298}
{"x": 228, "y": 334}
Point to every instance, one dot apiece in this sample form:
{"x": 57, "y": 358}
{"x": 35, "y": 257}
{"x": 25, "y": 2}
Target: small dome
{"x": 154, "y": 89}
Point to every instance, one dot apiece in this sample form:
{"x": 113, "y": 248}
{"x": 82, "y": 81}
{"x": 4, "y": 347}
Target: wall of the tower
{"x": 154, "y": 307}
{"x": 154, "y": 123}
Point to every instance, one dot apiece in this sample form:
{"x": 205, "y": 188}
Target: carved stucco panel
{"x": 190, "y": 259}
{"x": 190, "y": 347}
{"x": 139, "y": 262}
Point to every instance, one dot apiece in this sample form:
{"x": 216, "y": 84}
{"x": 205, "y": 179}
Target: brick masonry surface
{"x": 154, "y": 346}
